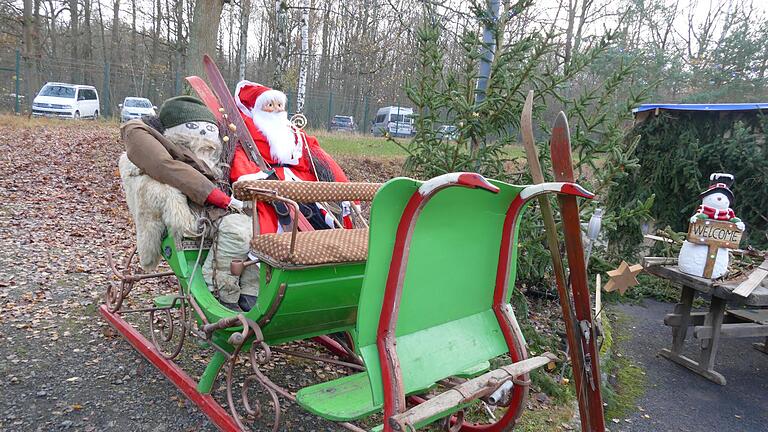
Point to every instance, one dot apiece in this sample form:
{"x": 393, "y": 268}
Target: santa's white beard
{"x": 283, "y": 145}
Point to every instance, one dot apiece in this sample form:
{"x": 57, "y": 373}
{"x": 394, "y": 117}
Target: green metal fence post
{"x": 364, "y": 125}
{"x": 330, "y": 109}
{"x": 105, "y": 92}
{"x": 177, "y": 82}
{"x": 17, "y": 107}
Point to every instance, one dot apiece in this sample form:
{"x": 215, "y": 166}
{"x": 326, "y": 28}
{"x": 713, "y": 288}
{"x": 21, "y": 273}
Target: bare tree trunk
{"x": 28, "y": 53}
{"x": 114, "y": 41}
{"x": 301, "y": 88}
{"x": 281, "y": 35}
{"x": 203, "y": 33}
{"x": 134, "y": 49}
{"x": 151, "y": 88}
{"x": 88, "y": 45}
{"x": 74, "y": 40}
{"x": 179, "y": 39}
{"x": 242, "y": 52}
{"x": 569, "y": 33}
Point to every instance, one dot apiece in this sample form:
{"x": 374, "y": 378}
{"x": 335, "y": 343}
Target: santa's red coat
{"x": 303, "y": 170}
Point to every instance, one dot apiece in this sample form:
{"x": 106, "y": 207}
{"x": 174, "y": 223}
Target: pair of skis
{"x": 575, "y": 303}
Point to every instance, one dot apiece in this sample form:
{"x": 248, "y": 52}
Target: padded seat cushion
{"x": 313, "y": 248}
{"x": 308, "y": 191}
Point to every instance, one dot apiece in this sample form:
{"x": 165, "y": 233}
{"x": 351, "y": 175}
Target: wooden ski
{"x": 206, "y": 95}
{"x": 227, "y": 102}
{"x": 569, "y": 315}
{"x": 562, "y": 165}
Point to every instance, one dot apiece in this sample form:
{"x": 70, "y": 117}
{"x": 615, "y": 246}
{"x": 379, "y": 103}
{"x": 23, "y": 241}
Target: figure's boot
{"x": 249, "y": 287}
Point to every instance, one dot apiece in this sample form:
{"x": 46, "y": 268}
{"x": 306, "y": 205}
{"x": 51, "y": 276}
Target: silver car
{"x": 136, "y": 107}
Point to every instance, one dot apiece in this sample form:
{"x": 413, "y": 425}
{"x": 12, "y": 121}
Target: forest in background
{"x": 360, "y": 53}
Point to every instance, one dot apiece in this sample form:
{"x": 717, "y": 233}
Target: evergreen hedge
{"x": 678, "y": 150}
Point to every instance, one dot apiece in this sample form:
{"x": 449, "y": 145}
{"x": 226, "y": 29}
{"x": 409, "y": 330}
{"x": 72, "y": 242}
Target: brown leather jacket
{"x": 167, "y": 162}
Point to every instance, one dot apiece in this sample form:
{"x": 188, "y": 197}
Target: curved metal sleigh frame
{"x": 426, "y": 311}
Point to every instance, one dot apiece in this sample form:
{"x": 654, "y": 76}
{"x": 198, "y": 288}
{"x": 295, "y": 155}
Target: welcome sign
{"x": 715, "y": 234}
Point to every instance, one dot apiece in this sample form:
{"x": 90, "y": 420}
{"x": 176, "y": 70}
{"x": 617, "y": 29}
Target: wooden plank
{"x": 674, "y": 275}
{"x": 654, "y": 261}
{"x": 675, "y": 319}
{"x": 466, "y": 392}
{"x": 684, "y": 361}
{"x": 759, "y": 316}
{"x": 753, "y": 281}
{"x": 737, "y": 330}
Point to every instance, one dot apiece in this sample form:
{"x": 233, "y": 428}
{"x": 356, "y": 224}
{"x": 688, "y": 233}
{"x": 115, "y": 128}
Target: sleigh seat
{"x": 312, "y": 248}
{"x": 292, "y": 250}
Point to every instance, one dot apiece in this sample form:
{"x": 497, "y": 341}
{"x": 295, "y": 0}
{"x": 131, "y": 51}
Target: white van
{"x": 398, "y": 121}
{"x": 66, "y": 100}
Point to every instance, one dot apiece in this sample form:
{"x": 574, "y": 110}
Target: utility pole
{"x": 489, "y": 48}
{"x": 301, "y": 89}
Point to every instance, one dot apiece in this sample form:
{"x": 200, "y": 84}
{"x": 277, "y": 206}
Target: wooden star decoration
{"x": 623, "y": 277}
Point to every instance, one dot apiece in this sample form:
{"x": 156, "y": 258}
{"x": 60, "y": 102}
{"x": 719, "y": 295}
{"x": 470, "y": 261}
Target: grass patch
{"x": 551, "y": 418}
{"x": 349, "y": 144}
{"x": 24, "y": 121}
{"x": 627, "y": 381}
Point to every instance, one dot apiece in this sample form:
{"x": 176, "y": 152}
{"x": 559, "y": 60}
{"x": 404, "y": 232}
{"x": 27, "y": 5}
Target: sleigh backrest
{"x": 445, "y": 322}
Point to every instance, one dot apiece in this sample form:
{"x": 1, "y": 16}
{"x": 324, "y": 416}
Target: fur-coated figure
{"x": 716, "y": 204}
{"x": 156, "y": 206}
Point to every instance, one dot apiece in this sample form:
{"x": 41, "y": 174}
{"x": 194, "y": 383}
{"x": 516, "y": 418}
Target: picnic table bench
{"x": 746, "y": 319}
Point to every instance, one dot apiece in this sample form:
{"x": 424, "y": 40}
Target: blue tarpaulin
{"x": 703, "y": 107}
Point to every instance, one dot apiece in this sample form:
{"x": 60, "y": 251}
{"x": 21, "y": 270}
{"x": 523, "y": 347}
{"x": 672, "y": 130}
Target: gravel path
{"x": 679, "y": 400}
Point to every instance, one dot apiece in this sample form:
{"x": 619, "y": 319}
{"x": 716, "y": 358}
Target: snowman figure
{"x": 716, "y": 204}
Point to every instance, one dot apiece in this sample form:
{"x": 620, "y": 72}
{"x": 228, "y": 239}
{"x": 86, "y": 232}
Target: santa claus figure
{"x": 290, "y": 153}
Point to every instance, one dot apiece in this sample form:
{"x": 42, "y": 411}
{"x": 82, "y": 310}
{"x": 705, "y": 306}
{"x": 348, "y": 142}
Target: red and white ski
{"x": 227, "y": 102}
{"x": 588, "y": 386}
{"x": 206, "y": 95}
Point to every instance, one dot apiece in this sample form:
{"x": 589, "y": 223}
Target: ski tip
{"x": 561, "y": 120}
{"x": 207, "y": 58}
{"x": 528, "y": 106}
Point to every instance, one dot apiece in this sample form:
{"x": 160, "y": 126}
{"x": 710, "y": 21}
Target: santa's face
{"x": 717, "y": 200}
{"x": 273, "y": 106}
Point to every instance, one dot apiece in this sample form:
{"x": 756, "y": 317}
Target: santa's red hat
{"x": 250, "y": 96}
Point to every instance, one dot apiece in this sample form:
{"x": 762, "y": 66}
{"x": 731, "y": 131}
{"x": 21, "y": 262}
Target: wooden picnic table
{"x": 711, "y": 326}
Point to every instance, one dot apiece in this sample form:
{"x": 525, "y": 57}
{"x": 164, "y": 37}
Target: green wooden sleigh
{"x": 423, "y": 295}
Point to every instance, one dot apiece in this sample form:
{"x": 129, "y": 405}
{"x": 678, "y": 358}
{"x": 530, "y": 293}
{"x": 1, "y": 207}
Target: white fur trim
{"x": 268, "y": 95}
{"x": 720, "y": 175}
{"x": 436, "y": 182}
{"x": 261, "y": 175}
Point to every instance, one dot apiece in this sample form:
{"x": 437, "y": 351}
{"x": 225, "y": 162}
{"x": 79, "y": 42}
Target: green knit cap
{"x": 184, "y": 109}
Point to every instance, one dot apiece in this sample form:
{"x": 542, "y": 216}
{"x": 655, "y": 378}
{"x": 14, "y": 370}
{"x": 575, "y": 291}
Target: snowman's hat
{"x": 720, "y": 183}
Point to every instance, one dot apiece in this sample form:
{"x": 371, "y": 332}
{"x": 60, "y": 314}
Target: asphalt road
{"x": 677, "y": 399}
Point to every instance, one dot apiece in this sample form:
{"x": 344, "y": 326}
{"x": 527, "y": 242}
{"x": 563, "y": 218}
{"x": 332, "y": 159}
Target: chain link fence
{"x": 114, "y": 82}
